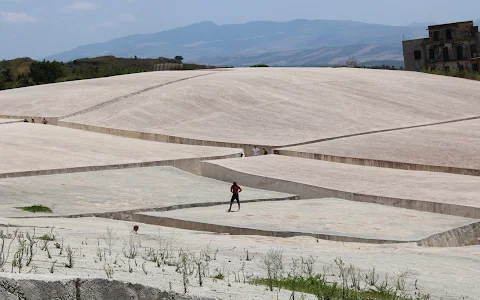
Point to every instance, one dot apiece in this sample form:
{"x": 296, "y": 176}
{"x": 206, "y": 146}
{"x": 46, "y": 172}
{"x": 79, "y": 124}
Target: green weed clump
{"x": 322, "y": 289}
{"x": 456, "y": 73}
{"x": 219, "y": 276}
{"x": 349, "y": 283}
{"x": 36, "y": 209}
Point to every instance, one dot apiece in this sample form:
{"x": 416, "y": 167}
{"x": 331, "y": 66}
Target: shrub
{"x": 35, "y": 209}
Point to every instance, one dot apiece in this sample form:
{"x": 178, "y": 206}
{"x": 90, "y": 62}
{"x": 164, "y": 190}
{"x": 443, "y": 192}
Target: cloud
{"x": 13, "y": 17}
{"x": 76, "y": 6}
{"x": 127, "y": 18}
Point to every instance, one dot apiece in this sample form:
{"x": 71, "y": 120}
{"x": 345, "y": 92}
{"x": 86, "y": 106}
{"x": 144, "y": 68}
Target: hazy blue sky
{"x": 38, "y": 28}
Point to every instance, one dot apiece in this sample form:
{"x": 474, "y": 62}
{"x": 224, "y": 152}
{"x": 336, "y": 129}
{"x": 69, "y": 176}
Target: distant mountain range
{"x": 293, "y": 43}
{"x": 383, "y": 54}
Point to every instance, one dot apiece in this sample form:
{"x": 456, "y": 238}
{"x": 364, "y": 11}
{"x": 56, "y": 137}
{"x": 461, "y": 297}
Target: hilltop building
{"x": 168, "y": 67}
{"x": 454, "y": 46}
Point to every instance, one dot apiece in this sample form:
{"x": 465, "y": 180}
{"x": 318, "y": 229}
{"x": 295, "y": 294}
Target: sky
{"x": 39, "y": 28}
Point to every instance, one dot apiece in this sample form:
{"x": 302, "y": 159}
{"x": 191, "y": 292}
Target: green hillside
{"x": 23, "y": 72}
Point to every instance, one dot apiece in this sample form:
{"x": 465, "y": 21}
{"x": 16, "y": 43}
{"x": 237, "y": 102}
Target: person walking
{"x": 255, "y": 151}
{"x": 235, "y": 189}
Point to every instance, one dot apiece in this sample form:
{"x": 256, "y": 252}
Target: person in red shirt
{"x": 235, "y": 189}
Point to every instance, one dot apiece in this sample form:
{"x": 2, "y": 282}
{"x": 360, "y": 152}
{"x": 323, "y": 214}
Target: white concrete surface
{"x": 460, "y": 193}
{"x": 116, "y": 190}
{"x": 278, "y": 106}
{"x": 453, "y": 145}
{"x": 444, "y": 273}
{"x": 29, "y": 147}
{"x": 246, "y": 106}
{"x": 60, "y": 99}
{"x": 330, "y": 217}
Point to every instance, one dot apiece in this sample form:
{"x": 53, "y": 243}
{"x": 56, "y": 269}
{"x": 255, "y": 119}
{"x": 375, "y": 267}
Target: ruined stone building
{"x": 454, "y": 46}
{"x": 167, "y": 67}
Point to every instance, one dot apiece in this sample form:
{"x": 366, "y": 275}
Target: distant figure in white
{"x": 255, "y": 151}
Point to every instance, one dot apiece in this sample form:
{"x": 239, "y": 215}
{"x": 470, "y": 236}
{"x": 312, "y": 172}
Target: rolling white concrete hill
{"x": 279, "y": 107}
{"x": 336, "y": 139}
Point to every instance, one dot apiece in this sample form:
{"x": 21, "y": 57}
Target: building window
{"x": 436, "y": 36}
{"x": 431, "y": 53}
{"x": 446, "y": 57}
{"x": 473, "y": 50}
{"x": 459, "y": 50}
{"x": 475, "y": 67}
{"x": 474, "y": 30}
{"x": 448, "y": 33}
{"x": 417, "y": 54}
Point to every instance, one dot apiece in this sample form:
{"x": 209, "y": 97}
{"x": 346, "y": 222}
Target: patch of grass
{"x": 319, "y": 287}
{"x": 47, "y": 237}
{"x": 219, "y": 276}
{"x": 456, "y": 73}
{"x": 36, "y": 209}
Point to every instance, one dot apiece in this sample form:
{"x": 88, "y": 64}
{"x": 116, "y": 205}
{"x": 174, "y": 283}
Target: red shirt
{"x": 235, "y": 189}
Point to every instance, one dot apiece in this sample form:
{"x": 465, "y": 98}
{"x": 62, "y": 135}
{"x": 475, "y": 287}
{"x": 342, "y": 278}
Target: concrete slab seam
{"x": 380, "y": 131}
{"x": 120, "y": 98}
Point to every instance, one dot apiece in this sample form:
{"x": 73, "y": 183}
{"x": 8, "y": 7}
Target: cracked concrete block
{"x": 82, "y": 289}
{"x": 36, "y": 289}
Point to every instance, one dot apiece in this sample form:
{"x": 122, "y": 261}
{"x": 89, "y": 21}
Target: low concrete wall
{"x": 191, "y": 165}
{"x": 464, "y": 236}
{"x": 11, "y": 122}
{"x": 306, "y": 191}
{"x": 247, "y": 148}
{"x": 128, "y": 215}
{"x": 199, "y": 226}
{"x": 379, "y": 163}
{"x": 51, "y": 120}
{"x": 82, "y": 289}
